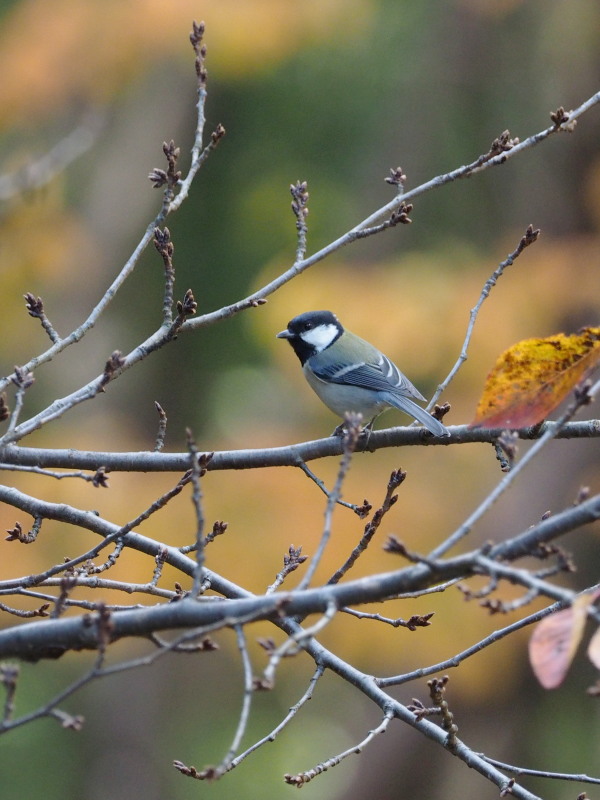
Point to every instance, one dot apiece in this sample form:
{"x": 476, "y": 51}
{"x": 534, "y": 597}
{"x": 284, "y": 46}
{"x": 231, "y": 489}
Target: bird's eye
{"x": 307, "y": 326}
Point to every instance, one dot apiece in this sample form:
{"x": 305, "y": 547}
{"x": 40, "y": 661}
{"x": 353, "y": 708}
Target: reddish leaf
{"x": 555, "y": 641}
{"x": 534, "y": 376}
{"x": 594, "y": 649}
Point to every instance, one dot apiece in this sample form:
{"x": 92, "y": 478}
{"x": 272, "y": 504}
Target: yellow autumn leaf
{"x": 534, "y": 376}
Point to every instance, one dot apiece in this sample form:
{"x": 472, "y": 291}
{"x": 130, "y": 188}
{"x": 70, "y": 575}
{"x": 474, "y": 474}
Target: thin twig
{"x": 47, "y": 472}
{"x": 539, "y": 773}
{"x": 441, "y": 587}
{"x": 199, "y": 152}
{"x": 300, "y": 196}
{"x": 9, "y": 676}
{"x": 349, "y": 442}
{"x": 115, "y": 535}
{"x": 162, "y": 427}
{"x": 40, "y": 172}
{"x": 396, "y": 478}
{"x": 197, "y": 469}
{"x": 457, "y": 659}
{"x": 35, "y": 307}
{"x": 412, "y": 623}
{"x": 528, "y": 238}
{"x": 295, "y": 642}
{"x": 92, "y": 582}
{"x": 357, "y": 509}
{"x": 291, "y": 561}
{"x": 270, "y": 737}
{"x": 225, "y": 764}
{"x": 303, "y": 778}
{"x": 509, "y": 477}
{"x": 48, "y": 709}
{"x": 165, "y": 248}
{"x": 19, "y": 612}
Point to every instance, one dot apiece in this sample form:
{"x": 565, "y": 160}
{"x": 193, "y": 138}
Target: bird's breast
{"x": 340, "y": 398}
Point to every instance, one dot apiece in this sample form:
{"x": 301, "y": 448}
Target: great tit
{"x": 349, "y": 374}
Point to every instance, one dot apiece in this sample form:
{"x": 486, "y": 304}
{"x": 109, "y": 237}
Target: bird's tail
{"x": 424, "y": 417}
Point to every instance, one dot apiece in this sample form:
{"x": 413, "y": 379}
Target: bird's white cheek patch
{"x": 320, "y": 337}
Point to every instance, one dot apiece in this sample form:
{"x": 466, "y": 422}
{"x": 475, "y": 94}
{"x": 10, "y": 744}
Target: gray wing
{"x": 381, "y": 375}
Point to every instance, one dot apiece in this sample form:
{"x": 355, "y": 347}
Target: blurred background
{"x": 335, "y": 93}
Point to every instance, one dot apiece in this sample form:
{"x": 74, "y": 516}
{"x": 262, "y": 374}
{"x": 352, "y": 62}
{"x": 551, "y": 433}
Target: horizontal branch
{"x": 287, "y": 456}
{"x": 50, "y": 638}
{"x": 53, "y": 637}
{"x": 90, "y": 521}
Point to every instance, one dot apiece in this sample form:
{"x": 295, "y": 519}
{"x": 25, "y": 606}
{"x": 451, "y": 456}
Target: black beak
{"x": 286, "y": 334}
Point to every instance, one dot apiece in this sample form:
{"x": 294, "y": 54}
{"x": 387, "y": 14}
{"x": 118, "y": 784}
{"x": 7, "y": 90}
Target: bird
{"x": 349, "y": 374}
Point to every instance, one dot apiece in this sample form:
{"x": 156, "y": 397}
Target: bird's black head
{"x": 312, "y": 332}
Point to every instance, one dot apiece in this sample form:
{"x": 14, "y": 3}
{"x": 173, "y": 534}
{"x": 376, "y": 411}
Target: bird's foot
{"x": 340, "y": 430}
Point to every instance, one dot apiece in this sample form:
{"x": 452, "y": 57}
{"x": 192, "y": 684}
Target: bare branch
{"x": 528, "y": 238}
{"x": 396, "y": 478}
{"x": 35, "y": 307}
{"x": 162, "y": 428}
{"x": 303, "y": 778}
{"x": 286, "y": 456}
{"x": 457, "y": 659}
{"x": 349, "y": 442}
{"x": 539, "y": 773}
{"x": 291, "y": 562}
{"x": 284, "y": 722}
{"x": 509, "y": 477}
{"x": 362, "y": 511}
{"x": 225, "y": 765}
{"x": 39, "y": 173}
{"x": 300, "y": 196}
